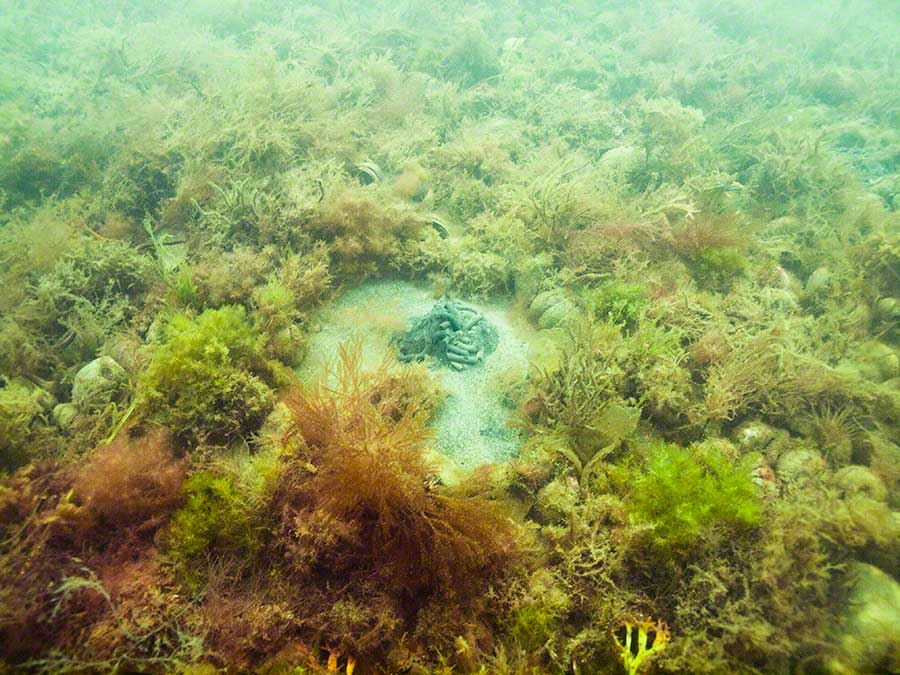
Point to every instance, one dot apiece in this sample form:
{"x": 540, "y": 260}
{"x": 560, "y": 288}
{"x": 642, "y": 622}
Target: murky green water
{"x": 681, "y": 218}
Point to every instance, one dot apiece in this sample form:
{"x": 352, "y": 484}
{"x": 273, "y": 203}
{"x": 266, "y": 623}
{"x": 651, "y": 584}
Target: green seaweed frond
{"x": 642, "y": 639}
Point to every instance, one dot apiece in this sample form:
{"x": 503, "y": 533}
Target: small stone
{"x": 868, "y": 640}
{"x": 557, "y": 314}
{"x": 856, "y": 480}
{"x": 64, "y": 414}
{"x": 98, "y": 383}
{"x": 801, "y": 466}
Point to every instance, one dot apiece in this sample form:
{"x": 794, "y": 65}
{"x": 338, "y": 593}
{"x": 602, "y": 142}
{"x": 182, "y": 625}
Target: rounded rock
{"x": 558, "y": 314}
{"x": 888, "y": 309}
{"x": 543, "y": 301}
{"x": 882, "y": 361}
{"x": 800, "y": 466}
{"x": 754, "y": 436}
{"x": 856, "y": 480}
{"x": 868, "y": 639}
{"x": 98, "y": 383}
{"x": 620, "y": 160}
{"x": 555, "y": 501}
{"x": 64, "y": 414}
{"x": 819, "y": 281}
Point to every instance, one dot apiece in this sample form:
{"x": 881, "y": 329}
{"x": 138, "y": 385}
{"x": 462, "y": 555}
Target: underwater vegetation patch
{"x": 686, "y": 494}
{"x": 204, "y": 379}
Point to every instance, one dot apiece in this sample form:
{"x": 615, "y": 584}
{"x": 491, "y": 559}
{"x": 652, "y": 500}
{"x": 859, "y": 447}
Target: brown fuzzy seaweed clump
{"x": 80, "y": 578}
{"x": 365, "y": 529}
{"x": 130, "y": 484}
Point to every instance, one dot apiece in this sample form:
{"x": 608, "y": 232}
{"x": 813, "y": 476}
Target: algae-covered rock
{"x": 858, "y": 480}
{"x": 551, "y": 309}
{"x": 542, "y": 302}
{"x": 686, "y": 495}
{"x": 288, "y": 345}
{"x": 614, "y": 423}
{"x": 620, "y": 160}
{"x": 800, "y": 466}
{"x": 888, "y": 309}
{"x": 555, "y": 501}
{"x": 207, "y": 379}
{"x": 754, "y": 436}
{"x": 819, "y": 281}
{"x": 128, "y": 350}
{"x": 558, "y": 315}
{"x": 546, "y": 348}
{"x": 884, "y": 461}
{"x": 98, "y": 383}
{"x": 21, "y": 406}
{"x": 868, "y": 638}
{"x": 867, "y": 525}
{"x": 64, "y": 414}
{"x": 878, "y": 362}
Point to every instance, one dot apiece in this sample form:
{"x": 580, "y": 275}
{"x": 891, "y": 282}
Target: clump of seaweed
{"x": 745, "y": 378}
{"x": 712, "y": 246}
{"x": 689, "y": 496}
{"x": 363, "y": 234}
{"x": 94, "y": 289}
{"x": 230, "y": 278}
{"x": 215, "y": 519}
{"x": 834, "y": 431}
{"x": 21, "y": 409}
{"x": 879, "y": 258}
{"x": 620, "y": 303}
{"x": 206, "y": 379}
{"x": 69, "y": 604}
{"x": 472, "y": 58}
{"x": 368, "y": 516}
{"x": 128, "y": 487}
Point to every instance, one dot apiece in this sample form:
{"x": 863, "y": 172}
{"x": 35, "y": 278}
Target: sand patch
{"x": 474, "y": 425}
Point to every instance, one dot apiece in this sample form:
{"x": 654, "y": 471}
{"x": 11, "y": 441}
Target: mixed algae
{"x": 692, "y": 209}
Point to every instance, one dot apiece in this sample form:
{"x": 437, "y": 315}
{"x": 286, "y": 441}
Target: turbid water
{"x": 682, "y": 217}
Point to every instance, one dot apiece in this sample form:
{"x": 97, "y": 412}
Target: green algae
{"x": 205, "y": 377}
{"x": 685, "y": 494}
